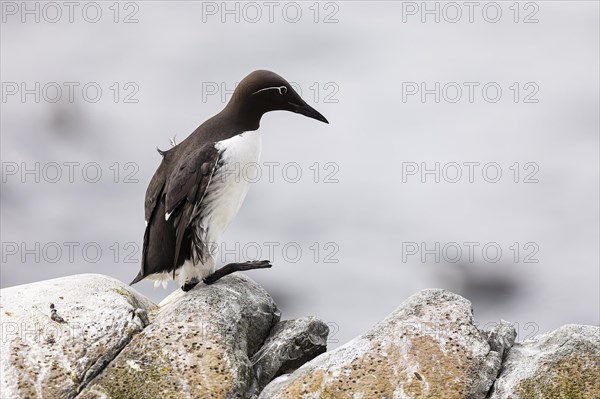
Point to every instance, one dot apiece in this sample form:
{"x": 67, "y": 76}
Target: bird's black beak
{"x": 306, "y": 110}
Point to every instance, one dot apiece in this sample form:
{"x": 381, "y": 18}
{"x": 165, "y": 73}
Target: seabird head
{"x": 263, "y": 91}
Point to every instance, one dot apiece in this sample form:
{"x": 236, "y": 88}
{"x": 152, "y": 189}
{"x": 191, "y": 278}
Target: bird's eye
{"x": 282, "y": 90}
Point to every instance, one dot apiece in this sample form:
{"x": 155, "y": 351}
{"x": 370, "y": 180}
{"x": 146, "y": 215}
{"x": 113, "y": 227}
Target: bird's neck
{"x": 245, "y": 117}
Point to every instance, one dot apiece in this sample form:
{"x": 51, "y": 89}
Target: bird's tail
{"x": 137, "y": 278}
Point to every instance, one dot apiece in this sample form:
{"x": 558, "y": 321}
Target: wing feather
{"x": 177, "y": 190}
{"x": 186, "y": 188}
{"x": 154, "y": 193}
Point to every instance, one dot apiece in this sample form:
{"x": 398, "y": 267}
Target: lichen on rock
{"x": 93, "y": 337}
{"x": 198, "y": 346}
{"x": 54, "y": 357}
{"x": 563, "y": 364}
{"x": 429, "y": 347}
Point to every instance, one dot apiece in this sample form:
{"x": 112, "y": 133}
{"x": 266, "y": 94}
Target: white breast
{"x": 240, "y": 156}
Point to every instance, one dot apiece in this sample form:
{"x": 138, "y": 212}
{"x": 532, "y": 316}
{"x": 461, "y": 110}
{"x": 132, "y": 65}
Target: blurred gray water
{"x": 369, "y": 218}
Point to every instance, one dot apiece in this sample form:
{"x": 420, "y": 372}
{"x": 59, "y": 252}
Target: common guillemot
{"x": 193, "y": 195}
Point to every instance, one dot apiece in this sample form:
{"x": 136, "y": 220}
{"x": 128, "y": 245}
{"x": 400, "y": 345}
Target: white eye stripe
{"x": 282, "y": 89}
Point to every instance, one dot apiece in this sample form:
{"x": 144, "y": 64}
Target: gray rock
{"x": 59, "y": 334}
{"x": 290, "y": 344}
{"x": 90, "y": 336}
{"x": 428, "y": 347}
{"x": 501, "y": 337}
{"x": 564, "y": 363}
{"x": 199, "y": 346}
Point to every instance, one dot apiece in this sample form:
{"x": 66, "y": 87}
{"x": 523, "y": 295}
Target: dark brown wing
{"x": 174, "y": 191}
{"x": 155, "y": 188}
{"x": 185, "y": 190}
{"x": 154, "y": 197}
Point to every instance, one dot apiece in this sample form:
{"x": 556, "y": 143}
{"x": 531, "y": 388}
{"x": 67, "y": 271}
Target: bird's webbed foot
{"x": 190, "y": 284}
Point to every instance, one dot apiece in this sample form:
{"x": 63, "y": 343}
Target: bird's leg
{"x": 236, "y": 267}
{"x": 228, "y": 269}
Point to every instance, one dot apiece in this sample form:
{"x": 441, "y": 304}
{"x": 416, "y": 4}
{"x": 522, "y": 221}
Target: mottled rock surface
{"x": 501, "y": 337}
{"x": 429, "y": 347}
{"x": 53, "y": 353}
{"x": 199, "y": 346}
{"x": 91, "y": 336}
{"x": 563, "y": 364}
{"x": 290, "y": 344}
